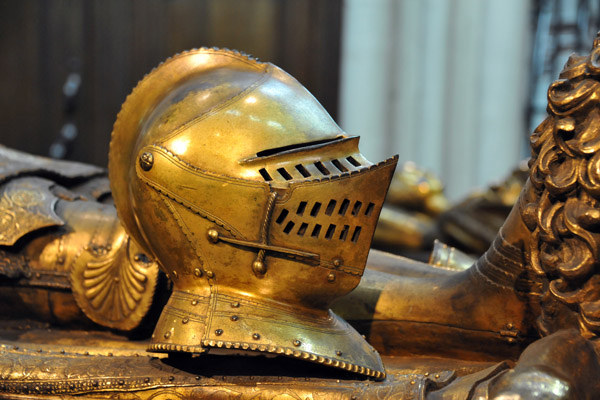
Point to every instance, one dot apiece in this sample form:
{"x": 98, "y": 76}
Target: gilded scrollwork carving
{"x": 565, "y": 176}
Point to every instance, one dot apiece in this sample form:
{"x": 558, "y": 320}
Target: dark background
{"x": 111, "y": 44}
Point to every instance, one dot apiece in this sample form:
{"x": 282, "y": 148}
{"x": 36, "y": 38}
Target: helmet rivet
{"x": 185, "y": 320}
{"x": 259, "y": 267}
{"x": 175, "y": 274}
{"x": 234, "y": 317}
{"x": 255, "y": 336}
{"x": 210, "y": 274}
{"x": 338, "y": 352}
{"x": 337, "y": 262}
{"x": 146, "y": 161}
{"x": 219, "y": 332}
{"x": 297, "y": 343}
{"x": 235, "y": 305}
{"x": 213, "y": 235}
{"x": 331, "y": 277}
{"x": 197, "y": 272}
{"x": 167, "y": 335}
{"x": 194, "y": 302}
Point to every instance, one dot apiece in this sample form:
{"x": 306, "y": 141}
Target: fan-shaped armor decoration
{"x": 112, "y": 280}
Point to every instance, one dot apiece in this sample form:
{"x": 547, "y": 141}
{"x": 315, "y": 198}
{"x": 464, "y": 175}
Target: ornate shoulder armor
{"x": 64, "y": 246}
{"x": 26, "y": 205}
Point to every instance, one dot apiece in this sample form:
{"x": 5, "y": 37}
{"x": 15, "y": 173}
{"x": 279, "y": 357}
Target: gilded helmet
{"x": 258, "y": 207}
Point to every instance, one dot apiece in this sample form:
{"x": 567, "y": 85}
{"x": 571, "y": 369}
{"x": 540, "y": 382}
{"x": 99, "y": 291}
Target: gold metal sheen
{"x": 246, "y": 176}
{"x": 223, "y": 168}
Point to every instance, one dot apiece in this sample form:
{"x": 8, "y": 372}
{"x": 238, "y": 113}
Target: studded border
{"x": 162, "y": 347}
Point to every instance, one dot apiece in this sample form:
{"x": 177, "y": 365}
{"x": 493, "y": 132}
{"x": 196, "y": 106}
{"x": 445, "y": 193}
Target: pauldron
{"x": 55, "y": 235}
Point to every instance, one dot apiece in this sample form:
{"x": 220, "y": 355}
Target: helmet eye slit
{"x": 303, "y": 171}
{"x": 353, "y": 161}
{"x": 339, "y": 166}
{"x": 265, "y": 174}
{"x": 286, "y": 175}
{"x": 298, "y": 146}
{"x": 322, "y": 168}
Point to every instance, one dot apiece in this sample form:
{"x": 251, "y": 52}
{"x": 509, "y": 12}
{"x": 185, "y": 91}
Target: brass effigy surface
{"x": 222, "y": 168}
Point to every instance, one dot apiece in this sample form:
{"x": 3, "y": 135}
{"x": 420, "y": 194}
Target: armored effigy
{"x": 229, "y": 177}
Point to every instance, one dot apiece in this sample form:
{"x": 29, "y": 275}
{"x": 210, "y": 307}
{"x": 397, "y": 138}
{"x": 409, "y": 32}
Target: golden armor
{"x": 87, "y": 253}
{"x": 269, "y": 206}
{"x": 521, "y": 321}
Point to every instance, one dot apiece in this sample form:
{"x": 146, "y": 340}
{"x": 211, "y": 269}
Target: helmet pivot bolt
{"x": 210, "y": 274}
{"x": 213, "y": 235}
{"x": 331, "y": 277}
{"x": 259, "y": 267}
{"x": 255, "y": 336}
{"x": 197, "y": 272}
{"x": 297, "y": 343}
{"x": 219, "y": 332}
{"x": 146, "y": 161}
{"x": 337, "y": 262}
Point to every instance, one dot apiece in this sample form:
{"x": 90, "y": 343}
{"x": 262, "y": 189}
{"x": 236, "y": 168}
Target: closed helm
{"x": 255, "y": 203}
